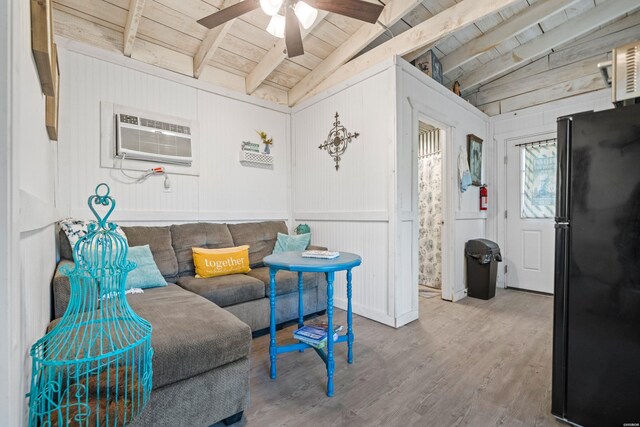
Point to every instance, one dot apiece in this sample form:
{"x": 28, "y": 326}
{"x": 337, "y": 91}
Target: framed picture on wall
{"x": 474, "y": 150}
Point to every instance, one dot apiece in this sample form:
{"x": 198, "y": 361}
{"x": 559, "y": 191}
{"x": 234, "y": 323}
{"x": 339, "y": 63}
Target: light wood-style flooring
{"x": 472, "y": 363}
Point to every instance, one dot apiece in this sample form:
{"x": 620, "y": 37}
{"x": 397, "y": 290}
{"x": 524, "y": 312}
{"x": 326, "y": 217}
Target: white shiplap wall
{"x": 27, "y": 244}
{"x": 348, "y": 209}
{"x": 224, "y": 190}
{"x": 538, "y": 120}
{"x": 421, "y": 98}
{"x": 369, "y": 206}
{"x": 6, "y": 215}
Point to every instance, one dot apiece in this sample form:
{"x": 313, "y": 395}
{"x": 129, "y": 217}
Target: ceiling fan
{"x": 288, "y": 15}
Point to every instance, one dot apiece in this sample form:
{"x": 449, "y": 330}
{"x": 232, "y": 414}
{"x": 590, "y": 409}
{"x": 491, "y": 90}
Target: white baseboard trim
{"x": 354, "y": 216}
{"x": 407, "y": 318}
{"x": 458, "y": 295}
{"x": 471, "y": 216}
{"x": 360, "y": 310}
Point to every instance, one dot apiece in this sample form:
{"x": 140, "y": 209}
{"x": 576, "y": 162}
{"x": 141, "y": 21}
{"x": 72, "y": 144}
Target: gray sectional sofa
{"x": 202, "y": 328}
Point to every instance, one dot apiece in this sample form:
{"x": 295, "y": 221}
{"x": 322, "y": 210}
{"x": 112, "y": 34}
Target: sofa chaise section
{"x": 200, "y": 359}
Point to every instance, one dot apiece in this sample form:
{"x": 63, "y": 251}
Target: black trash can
{"x": 483, "y": 257}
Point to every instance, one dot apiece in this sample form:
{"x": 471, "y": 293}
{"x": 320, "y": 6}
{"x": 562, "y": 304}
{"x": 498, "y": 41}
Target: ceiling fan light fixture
{"x": 306, "y": 14}
{"x": 270, "y": 7}
{"x": 276, "y": 26}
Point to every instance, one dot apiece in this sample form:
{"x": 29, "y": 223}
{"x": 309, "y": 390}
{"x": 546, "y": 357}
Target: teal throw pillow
{"x": 146, "y": 274}
{"x": 287, "y": 243}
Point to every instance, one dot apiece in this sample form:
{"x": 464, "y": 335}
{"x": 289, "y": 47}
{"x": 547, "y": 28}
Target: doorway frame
{"x": 502, "y": 141}
{"x": 421, "y": 112}
{"x": 444, "y": 143}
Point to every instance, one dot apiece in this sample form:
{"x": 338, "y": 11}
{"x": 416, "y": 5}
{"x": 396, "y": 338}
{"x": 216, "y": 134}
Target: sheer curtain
{"x": 430, "y": 212}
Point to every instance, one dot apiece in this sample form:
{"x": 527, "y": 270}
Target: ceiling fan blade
{"x": 358, "y": 9}
{"x": 292, "y": 36}
{"x": 229, "y": 13}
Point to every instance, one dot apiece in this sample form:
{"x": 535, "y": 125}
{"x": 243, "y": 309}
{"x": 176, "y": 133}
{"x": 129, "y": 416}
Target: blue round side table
{"x": 294, "y": 261}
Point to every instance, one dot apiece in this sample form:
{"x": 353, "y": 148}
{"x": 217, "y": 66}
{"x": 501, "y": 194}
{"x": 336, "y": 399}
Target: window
{"x": 538, "y": 179}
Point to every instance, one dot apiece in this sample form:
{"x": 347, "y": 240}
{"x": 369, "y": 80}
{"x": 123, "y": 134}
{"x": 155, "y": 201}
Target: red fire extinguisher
{"x": 484, "y": 198}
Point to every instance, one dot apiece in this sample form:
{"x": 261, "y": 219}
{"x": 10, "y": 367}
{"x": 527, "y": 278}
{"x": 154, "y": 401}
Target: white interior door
{"x": 530, "y": 236}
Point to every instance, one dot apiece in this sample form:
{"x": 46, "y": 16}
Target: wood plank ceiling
{"x": 243, "y": 56}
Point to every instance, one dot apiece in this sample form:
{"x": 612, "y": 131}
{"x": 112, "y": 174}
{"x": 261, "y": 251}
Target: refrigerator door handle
{"x": 564, "y": 169}
{"x": 560, "y": 317}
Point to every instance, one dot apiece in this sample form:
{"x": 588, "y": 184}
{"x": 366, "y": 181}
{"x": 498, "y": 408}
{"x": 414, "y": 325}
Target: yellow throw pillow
{"x": 221, "y": 262}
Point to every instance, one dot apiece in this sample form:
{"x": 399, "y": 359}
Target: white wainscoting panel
{"x": 348, "y": 209}
{"x": 406, "y": 295}
{"x": 370, "y": 241}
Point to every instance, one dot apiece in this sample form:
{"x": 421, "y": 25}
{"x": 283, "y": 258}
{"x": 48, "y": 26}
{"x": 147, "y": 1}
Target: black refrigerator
{"x": 596, "y": 336}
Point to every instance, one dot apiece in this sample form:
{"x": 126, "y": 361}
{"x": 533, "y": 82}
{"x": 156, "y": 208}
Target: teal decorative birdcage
{"x": 94, "y": 367}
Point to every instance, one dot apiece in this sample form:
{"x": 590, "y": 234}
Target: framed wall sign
{"x": 474, "y": 150}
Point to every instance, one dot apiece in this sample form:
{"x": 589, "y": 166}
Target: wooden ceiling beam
{"x": 208, "y": 47}
{"x": 518, "y": 23}
{"x": 136, "y": 7}
{"x": 570, "y": 30}
{"x": 211, "y": 43}
{"x": 274, "y": 57}
{"x": 392, "y": 13}
{"x": 424, "y": 34}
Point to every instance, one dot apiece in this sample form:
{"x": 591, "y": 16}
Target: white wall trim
{"x": 119, "y": 59}
{"x": 9, "y": 250}
{"x": 337, "y": 216}
{"x": 471, "y": 216}
{"x": 290, "y": 156}
{"x": 141, "y": 216}
{"x": 431, "y": 115}
{"x": 392, "y": 197}
{"x": 502, "y": 140}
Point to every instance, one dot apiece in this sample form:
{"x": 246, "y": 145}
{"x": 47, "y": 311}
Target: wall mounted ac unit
{"x": 625, "y": 79}
{"x": 143, "y": 138}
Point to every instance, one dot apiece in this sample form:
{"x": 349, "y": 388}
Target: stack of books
{"x": 320, "y": 254}
{"x": 315, "y": 334}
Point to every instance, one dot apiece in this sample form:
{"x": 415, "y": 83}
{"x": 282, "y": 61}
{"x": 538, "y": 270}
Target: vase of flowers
{"x": 266, "y": 141}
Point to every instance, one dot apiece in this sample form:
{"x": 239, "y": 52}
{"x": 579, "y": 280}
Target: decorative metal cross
{"x": 337, "y": 141}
